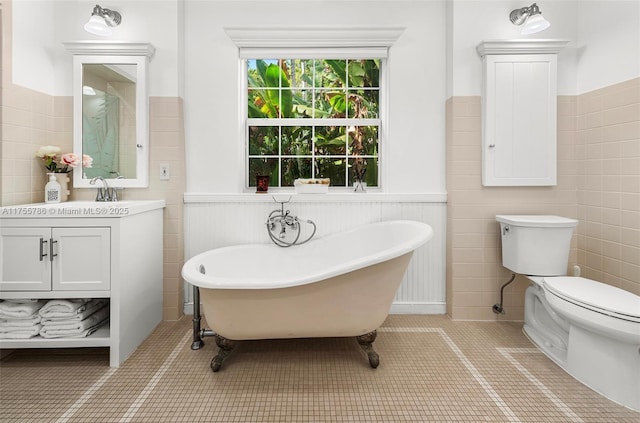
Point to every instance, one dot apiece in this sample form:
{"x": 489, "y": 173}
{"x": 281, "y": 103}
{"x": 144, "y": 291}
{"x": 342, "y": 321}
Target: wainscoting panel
{"x": 230, "y": 220}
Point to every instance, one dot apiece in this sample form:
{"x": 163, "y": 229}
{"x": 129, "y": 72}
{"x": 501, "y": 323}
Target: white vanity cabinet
{"x": 519, "y": 112}
{"x": 87, "y": 250}
{"x": 58, "y": 258}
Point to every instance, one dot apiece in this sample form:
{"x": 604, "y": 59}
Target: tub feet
{"x": 365, "y": 342}
{"x": 226, "y": 346}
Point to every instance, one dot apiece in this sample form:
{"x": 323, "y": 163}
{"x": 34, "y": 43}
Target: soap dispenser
{"x": 52, "y": 190}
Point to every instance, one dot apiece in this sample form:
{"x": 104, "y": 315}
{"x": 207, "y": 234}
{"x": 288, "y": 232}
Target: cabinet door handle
{"x": 51, "y": 254}
{"x": 42, "y": 253}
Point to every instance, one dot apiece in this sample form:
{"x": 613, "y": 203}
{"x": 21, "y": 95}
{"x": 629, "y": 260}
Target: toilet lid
{"x": 597, "y": 296}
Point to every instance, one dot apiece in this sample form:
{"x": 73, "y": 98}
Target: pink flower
{"x": 70, "y": 159}
{"x": 86, "y": 160}
{"x": 61, "y": 164}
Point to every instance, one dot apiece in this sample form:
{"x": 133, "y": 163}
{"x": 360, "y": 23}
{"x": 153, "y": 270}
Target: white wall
{"x": 474, "y": 21}
{"x": 604, "y": 37}
{"x": 608, "y": 43}
{"x": 33, "y": 45}
{"x": 604, "y": 49}
{"x": 417, "y": 81}
{"x": 40, "y": 61}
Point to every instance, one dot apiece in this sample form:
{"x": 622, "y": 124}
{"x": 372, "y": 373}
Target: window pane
{"x": 296, "y": 140}
{"x": 368, "y": 167}
{"x": 364, "y": 73}
{"x": 257, "y": 73}
{"x": 301, "y": 73}
{"x": 263, "y": 167}
{"x": 330, "y": 103}
{"x": 333, "y": 168}
{"x": 263, "y": 140}
{"x": 331, "y": 140}
{"x": 363, "y": 104}
{"x": 333, "y": 73}
{"x": 302, "y": 103}
{"x": 293, "y": 168}
{"x": 363, "y": 140}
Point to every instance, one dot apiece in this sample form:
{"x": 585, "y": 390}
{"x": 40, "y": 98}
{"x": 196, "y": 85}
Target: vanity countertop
{"x": 75, "y": 209}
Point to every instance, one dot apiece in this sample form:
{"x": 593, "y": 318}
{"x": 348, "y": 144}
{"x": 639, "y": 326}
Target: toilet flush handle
{"x": 505, "y": 230}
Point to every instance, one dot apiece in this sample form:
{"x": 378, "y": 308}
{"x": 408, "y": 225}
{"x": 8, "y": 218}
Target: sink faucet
{"x": 104, "y": 192}
{"x": 114, "y": 190}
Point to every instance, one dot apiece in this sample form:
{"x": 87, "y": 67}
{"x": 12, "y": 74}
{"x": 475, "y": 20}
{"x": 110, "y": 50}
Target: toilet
{"x": 590, "y": 329}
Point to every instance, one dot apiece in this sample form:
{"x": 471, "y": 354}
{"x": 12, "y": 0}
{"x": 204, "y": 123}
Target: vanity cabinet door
{"x": 83, "y": 259}
{"x": 24, "y": 259}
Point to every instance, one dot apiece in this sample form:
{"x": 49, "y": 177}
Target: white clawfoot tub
{"x": 336, "y": 286}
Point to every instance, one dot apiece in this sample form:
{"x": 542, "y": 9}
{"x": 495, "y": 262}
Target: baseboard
{"x": 418, "y": 308}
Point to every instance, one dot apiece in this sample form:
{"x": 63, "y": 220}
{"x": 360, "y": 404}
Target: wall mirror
{"x": 111, "y": 112}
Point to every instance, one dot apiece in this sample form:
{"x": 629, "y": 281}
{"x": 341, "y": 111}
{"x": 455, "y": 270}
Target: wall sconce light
{"x": 531, "y": 17}
{"x": 101, "y": 20}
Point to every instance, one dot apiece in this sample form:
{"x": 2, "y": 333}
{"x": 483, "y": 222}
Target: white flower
{"x": 48, "y": 151}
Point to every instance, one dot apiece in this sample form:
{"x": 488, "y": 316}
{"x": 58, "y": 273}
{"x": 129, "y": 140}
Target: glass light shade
{"x": 535, "y": 23}
{"x": 87, "y": 90}
{"x": 97, "y": 25}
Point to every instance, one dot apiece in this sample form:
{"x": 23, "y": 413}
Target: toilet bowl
{"x": 590, "y": 329}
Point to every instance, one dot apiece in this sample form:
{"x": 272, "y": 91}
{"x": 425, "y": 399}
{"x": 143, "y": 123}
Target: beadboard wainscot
{"x": 220, "y": 220}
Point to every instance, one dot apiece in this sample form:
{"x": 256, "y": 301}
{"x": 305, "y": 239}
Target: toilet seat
{"x": 595, "y": 296}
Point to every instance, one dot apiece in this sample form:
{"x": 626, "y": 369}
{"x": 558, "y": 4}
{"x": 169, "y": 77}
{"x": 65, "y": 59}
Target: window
{"x": 313, "y": 118}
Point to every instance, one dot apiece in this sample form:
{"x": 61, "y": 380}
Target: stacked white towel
{"x": 73, "y": 318}
{"x": 19, "y": 319}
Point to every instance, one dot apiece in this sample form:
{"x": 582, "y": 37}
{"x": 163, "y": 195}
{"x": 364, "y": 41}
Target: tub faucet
{"x": 289, "y": 222}
{"x": 104, "y": 192}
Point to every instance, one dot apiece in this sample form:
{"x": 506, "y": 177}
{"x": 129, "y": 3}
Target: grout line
{"x": 142, "y": 397}
{"x": 506, "y": 352}
{"x": 86, "y": 396}
{"x": 498, "y": 401}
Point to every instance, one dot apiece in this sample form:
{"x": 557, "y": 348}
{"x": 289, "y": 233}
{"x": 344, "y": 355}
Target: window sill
{"x": 332, "y": 197}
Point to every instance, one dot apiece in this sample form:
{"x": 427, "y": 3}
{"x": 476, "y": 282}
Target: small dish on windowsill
{"x": 311, "y": 186}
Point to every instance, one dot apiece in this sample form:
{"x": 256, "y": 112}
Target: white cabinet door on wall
{"x": 519, "y": 111}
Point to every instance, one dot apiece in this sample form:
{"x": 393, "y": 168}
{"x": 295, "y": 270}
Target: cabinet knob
{"x": 492, "y": 146}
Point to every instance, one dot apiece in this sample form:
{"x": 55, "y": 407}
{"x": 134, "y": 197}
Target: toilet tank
{"x": 536, "y": 244}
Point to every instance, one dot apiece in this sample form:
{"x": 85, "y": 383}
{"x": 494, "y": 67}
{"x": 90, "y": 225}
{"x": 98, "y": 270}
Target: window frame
{"x": 338, "y": 54}
{"x": 314, "y": 42}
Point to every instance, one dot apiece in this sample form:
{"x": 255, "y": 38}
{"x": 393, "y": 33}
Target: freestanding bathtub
{"x": 336, "y": 286}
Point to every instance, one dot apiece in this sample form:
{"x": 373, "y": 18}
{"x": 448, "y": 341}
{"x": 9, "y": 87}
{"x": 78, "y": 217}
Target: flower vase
{"x": 65, "y": 186}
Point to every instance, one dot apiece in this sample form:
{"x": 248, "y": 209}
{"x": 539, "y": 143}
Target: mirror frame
{"x": 122, "y": 53}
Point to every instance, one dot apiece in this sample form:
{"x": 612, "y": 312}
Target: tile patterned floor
{"x": 431, "y": 370}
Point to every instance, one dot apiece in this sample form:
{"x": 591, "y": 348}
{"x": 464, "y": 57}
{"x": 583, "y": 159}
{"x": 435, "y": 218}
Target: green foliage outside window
{"x": 313, "y": 118}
